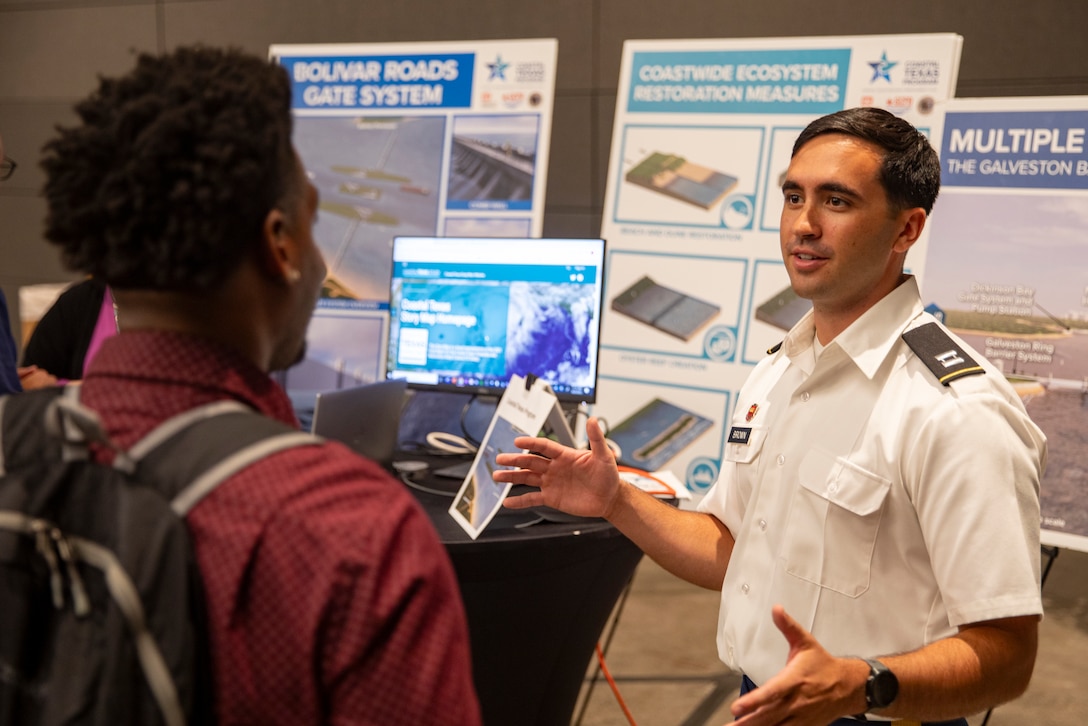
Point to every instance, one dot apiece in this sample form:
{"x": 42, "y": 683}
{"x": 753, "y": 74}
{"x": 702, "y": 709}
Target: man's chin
{"x": 300, "y": 355}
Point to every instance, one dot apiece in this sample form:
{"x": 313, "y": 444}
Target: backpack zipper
{"x": 55, "y": 549}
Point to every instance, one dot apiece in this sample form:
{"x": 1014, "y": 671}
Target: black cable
{"x": 474, "y": 441}
{"x": 416, "y": 485}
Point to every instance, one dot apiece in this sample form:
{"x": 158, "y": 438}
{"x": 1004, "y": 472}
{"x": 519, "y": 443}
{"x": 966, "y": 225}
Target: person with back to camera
{"x": 874, "y": 530}
{"x": 330, "y": 598}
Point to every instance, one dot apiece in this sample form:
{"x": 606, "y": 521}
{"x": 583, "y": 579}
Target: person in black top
{"x": 59, "y": 343}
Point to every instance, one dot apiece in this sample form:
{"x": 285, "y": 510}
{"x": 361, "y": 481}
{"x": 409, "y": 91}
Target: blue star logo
{"x": 497, "y": 69}
{"x": 882, "y": 67}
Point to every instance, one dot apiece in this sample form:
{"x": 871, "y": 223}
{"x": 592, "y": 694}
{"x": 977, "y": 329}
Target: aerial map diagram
{"x": 676, "y": 177}
{"x": 1007, "y": 271}
{"x": 378, "y": 177}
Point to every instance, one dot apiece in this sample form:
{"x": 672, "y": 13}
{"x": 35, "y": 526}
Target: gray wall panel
{"x": 256, "y": 24}
{"x": 569, "y": 182}
{"x": 25, "y": 127}
{"x": 58, "y": 53}
{"x": 572, "y": 224}
{"x": 605, "y": 117}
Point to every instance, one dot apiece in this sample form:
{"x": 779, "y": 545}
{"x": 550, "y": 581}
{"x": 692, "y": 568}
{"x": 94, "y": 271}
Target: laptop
{"x": 365, "y": 418}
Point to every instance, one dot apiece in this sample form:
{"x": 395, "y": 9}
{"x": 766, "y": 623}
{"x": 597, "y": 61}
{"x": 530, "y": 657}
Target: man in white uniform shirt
{"x": 875, "y": 527}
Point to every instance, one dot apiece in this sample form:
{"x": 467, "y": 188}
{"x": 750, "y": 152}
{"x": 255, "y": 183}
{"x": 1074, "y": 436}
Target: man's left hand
{"x": 814, "y": 687}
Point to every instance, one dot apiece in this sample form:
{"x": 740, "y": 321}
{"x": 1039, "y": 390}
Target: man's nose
{"x": 804, "y": 222}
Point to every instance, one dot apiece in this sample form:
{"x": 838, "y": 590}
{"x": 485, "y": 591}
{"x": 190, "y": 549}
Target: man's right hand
{"x": 581, "y": 482}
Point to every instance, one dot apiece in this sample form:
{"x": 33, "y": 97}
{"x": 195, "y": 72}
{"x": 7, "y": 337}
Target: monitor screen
{"x": 468, "y": 313}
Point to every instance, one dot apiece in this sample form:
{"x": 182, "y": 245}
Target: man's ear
{"x": 278, "y": 247}
{"x": 913, "y": 221}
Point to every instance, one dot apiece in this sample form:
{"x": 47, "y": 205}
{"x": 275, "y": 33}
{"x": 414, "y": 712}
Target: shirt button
{"x": 744, "y": 588}
{"x": 805, "y": 396}
{"x": 832, "y": 488}
{"x": 763, "y": 525}
{"x": 781, "y": 459}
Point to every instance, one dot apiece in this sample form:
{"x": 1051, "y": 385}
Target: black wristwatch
{"x": 882, "y": 686}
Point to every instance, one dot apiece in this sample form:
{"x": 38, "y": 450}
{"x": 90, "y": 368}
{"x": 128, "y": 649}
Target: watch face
{"x": 882, "y": 687}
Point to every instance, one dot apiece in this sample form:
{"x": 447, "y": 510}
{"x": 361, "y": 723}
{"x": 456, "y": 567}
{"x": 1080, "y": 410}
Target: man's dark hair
{"x": 168, "y": 179}
{"x": 911, "y": 172}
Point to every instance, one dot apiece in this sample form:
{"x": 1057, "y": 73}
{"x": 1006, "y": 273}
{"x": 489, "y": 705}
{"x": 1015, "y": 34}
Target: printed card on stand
{"x": 524, "y": 410}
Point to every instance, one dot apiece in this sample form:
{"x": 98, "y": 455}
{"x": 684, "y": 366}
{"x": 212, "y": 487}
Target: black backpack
{"x": 101, "y": 608}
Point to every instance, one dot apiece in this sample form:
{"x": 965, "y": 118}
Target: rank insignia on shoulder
{"x": 942, "y": 355}
{"x": 774, "y": 348}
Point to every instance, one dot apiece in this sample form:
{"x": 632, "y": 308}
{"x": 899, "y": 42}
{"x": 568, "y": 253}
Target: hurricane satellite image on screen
{"x": 552, "y": 332}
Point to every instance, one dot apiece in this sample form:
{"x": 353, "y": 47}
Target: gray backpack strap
{"x": 186, "y": 457}
{"x": 45, "y": 422}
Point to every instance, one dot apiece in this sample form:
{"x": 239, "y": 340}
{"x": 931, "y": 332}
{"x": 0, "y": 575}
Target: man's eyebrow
{"x": 827, "y": 188}
{"x": 837, "y": 188}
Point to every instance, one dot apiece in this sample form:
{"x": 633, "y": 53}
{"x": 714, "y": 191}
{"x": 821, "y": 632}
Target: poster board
{"x": 696, "y": 288}
{"x": 436, "y": 138}
{"x": 1008, "y": 272}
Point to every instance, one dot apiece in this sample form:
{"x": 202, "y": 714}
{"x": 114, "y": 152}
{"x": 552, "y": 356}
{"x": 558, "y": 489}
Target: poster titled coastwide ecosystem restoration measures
{"x": 696, "y": 288}
{"x": 445, "y": 138}
{"x": 1008, "y": 271}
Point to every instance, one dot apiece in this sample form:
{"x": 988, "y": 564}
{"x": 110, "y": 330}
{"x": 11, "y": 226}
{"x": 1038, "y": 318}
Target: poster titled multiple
{"x": 1008, "y": 271}
{"x": 696, "y": 288}
{"x": 410, "y": 139}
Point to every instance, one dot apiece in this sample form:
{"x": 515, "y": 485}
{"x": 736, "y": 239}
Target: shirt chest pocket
{"x": 743, "y": 443}
{"x": 833, "y": 523}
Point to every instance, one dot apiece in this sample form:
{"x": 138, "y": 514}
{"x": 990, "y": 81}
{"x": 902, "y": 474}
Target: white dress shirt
{"x": 880, "y": 507}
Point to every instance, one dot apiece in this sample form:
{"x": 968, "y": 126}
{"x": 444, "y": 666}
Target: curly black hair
{"x": 166, "y": 182}
{"x": 911, "y": 172}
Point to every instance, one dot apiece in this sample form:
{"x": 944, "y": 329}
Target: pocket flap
{"x": 743, "y": 443}
{"x": 843, "y": 484}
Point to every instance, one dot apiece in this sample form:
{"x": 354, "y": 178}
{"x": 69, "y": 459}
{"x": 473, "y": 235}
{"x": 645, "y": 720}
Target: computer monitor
{"x": 468, "y": 313}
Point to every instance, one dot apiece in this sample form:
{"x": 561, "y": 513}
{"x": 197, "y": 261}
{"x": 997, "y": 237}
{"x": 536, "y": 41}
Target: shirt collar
{"x": 192, "y": 361}
{"x": 868, "y": 340}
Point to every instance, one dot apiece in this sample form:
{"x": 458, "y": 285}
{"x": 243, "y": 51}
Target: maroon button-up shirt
{"x": 330, "y": 598}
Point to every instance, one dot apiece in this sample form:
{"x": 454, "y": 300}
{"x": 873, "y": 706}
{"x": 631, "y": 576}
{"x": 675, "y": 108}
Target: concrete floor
{"x": 663, "y": 659}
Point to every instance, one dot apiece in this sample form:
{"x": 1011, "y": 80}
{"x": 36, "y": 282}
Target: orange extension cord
{"x": 614, "y": 687}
